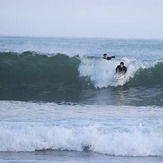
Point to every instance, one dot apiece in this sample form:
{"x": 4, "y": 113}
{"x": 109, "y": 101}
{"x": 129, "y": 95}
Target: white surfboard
{"x": 119, "y": 76}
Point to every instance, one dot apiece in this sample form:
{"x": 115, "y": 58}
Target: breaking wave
{"x": 121, "y": 134}
{"x": 35, "y": 76}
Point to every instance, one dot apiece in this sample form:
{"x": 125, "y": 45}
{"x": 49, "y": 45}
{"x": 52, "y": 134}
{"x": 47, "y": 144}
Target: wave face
{"x": 30, "y": 74}
{"x": 35, "y": 76}
{"x": 112, "y": 130}
{"x": 30, "y": 67}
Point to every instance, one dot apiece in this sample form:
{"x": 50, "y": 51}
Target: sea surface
{"x": 59, "y": 101}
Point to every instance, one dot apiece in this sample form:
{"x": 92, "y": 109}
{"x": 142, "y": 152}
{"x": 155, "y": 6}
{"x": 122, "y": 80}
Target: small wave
{"x": 124, "y": 141}
{"x": 119, "y": 130}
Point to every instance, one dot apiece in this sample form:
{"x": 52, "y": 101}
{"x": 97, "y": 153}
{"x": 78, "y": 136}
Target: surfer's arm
{"x": 125, "y": 69}
{"x": 112, "y": 57}
{"x": 109, "y": 58}
{"x": 116, "y": 69}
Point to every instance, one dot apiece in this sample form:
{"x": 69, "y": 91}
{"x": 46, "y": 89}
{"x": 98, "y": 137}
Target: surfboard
{"x": 119, "y": 76}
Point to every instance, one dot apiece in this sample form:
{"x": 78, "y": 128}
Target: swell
{"x": 33, "y": 67}
{"x": 34, "y": 76}
{"x": 148, "y": 77}
{"x": 60, "y": 78}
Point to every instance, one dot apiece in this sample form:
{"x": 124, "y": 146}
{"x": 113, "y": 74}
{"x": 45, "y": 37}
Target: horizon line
{"x": 86, "y": 37}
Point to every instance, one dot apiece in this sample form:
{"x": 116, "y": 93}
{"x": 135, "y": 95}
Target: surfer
{"x": 121, "y": 68}
{"x": 105, "y": 56}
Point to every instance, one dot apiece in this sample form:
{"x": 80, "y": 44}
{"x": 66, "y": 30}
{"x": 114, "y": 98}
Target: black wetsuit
{"x": 123, "y": 69}
{"x": 109, "y": 58}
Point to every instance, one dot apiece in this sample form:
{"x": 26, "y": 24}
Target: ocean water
{"x": 59, "y": 101}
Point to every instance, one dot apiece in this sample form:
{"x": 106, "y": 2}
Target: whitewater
{"x": 59, "y": 101}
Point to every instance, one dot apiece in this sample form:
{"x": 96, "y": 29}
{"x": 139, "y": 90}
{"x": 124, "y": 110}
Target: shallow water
{"x": 70, "y": 156}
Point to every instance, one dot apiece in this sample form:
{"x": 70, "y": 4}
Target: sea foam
{"x": 112, "y": 130}
{"x": 122, "y": 141}
{"x": 101, "y": 72}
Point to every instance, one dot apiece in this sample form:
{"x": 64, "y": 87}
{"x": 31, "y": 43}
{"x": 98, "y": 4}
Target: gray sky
{"x": 82, "y": 18}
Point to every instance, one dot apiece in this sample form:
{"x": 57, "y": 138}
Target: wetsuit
{"x": 123, "y": 69}
{"x": 109, "y": 58}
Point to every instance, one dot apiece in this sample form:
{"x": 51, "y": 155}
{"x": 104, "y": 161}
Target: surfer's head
{"x": 121, "y": 64}
{"x": 105, "y": 56}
